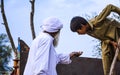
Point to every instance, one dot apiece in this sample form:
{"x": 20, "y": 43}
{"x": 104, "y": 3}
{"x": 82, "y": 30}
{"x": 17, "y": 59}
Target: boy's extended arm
{"x": 106, "y": 11}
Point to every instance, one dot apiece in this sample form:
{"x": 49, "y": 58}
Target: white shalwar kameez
{"x": 42, "y": 58}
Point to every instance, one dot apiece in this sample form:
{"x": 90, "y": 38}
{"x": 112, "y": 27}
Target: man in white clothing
{"x": 42, "y": 58}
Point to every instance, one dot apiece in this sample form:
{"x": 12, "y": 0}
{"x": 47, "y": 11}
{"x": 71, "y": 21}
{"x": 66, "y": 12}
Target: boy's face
{"x": 83, "y": 30}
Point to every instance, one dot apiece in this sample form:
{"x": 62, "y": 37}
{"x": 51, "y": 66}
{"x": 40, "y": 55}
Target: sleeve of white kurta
{"x": 42, "y": 58}
{"x": 64, "y": 58}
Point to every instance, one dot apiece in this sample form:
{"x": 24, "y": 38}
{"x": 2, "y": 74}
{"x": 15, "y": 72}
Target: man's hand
{"x": 76, "y": 54}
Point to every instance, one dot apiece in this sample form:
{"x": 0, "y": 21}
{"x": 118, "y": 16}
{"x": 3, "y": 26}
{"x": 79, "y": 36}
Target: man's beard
{"x": 56, "y": 39}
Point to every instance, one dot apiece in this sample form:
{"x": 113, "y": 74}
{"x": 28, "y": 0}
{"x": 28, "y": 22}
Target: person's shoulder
{"x": 44, "y": 37}
{"x": 92, "y": 20}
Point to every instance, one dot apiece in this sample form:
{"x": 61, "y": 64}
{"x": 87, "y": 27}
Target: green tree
{"x": 5, "y": 54}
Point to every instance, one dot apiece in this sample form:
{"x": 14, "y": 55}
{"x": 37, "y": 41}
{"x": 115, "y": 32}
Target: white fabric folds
{"x": 52, "y": 24}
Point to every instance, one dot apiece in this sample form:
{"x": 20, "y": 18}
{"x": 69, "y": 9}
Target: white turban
{"x": 52, "y": 24}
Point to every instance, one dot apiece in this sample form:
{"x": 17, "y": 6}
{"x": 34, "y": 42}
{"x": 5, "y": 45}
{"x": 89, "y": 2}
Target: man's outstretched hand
{"x": 75, "y": 54}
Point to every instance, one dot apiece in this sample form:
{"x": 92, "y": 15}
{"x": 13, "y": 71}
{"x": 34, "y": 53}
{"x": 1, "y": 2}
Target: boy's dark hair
{"x": 77, "y": 22}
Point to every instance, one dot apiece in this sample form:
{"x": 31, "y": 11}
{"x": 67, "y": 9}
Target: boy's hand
{"x": 76, "y": 54}
{"x": 114, "y": 44}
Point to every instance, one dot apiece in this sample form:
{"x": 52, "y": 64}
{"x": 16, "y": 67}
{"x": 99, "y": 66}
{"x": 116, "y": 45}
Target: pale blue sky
{"x": 17, "y": 12}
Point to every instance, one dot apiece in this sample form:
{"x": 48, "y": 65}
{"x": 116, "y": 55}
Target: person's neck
{"x": 52, "y": 34}
{"x": 88, "y": 27}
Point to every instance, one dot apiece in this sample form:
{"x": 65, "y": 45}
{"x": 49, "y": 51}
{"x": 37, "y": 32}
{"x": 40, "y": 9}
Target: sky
{"x": 18, "y": 17}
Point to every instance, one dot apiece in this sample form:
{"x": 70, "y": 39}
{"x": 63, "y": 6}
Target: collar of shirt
{"x": 91, "y": 28}
{"x": 91, "y": 25}
{"x": 48, "y": 35}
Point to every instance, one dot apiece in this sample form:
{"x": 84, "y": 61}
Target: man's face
{"x": 83, "y": 30}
